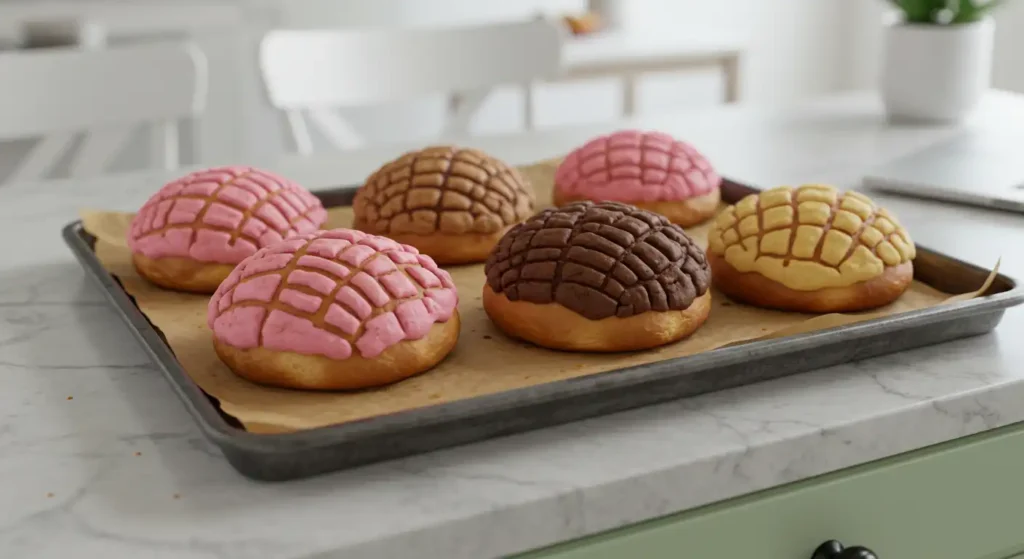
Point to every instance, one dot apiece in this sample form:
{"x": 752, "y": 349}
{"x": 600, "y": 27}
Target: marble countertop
{"x": 99, "y": 458}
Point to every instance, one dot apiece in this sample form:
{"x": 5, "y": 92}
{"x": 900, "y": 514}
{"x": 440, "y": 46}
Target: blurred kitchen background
{"x": 702, "y": 53}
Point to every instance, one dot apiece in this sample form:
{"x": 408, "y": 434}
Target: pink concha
{"x": 635, "y": 166}
{"x": 333, "y": 293}
{"x": 223, "y": 215}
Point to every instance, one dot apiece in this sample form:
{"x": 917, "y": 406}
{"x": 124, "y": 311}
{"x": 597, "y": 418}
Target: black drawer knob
{"x": 835, "y": 550}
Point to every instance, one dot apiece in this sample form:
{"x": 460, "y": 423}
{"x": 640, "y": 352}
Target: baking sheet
{"x": 484, "y": 362}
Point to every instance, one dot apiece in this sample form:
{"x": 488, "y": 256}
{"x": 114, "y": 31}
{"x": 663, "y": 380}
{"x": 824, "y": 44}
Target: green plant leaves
{"x": 945, "y": 12}
{"x": 974, "y": 10}
{"x": 919, "y": 11}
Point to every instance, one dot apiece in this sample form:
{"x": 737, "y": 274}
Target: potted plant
{"x": 937, "y": 59}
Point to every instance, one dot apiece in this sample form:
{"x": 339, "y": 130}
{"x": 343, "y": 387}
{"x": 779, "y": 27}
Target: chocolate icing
{"x": 442, "y": 189}
{"x": 599, "y": 260}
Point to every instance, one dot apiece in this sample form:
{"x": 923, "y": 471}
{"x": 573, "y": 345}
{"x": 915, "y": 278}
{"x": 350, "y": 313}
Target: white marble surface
{"x": 98, "y": 458}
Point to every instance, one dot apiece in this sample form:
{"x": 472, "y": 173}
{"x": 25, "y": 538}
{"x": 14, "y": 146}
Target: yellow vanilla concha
{"x": 810, "y": 237}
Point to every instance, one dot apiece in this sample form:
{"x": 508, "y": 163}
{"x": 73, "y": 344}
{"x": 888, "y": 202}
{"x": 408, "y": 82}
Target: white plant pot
{"x": 936, "y": 73}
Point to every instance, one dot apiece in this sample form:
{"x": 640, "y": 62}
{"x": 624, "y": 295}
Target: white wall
{"x": 1007, "y": 70}
{"x": 153, "y": 19}
{"x": 792, "y": 55}
{"x": 793, "y": 43}
{"x": 865, "y": 47}
{"x": 795, "y": 50}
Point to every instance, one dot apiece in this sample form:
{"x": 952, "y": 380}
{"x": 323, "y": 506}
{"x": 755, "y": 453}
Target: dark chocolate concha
{"x": 599, "y": 260}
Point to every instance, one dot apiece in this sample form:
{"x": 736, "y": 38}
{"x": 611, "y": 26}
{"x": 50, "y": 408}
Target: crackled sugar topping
{"x": 810, "y": 237}
{"x": 599, "y": 260}
{"x": 635, "y": 166}
{"x": 328, "y": 292}
{"x": 443, "y": 189}
{"x": 223, "y": 215}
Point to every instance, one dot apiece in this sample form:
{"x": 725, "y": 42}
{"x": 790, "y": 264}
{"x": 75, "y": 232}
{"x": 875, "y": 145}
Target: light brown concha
{"x": 451, "y": 203}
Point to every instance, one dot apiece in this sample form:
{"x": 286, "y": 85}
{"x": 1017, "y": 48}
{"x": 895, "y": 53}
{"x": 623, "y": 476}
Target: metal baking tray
{"x": 277, "y": 457}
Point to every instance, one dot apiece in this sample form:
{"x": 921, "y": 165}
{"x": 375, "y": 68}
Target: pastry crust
{"x": 684, "y": 213}
{"x": 182, "y": 274}
{"x": 448, "y": 249}
{"x": 192, "y": 232}
{"x": 556, "y": 327}
{"x": 286, "y": 369}
{"x": 755, "y": 289}
{"x": 451, "y": 203}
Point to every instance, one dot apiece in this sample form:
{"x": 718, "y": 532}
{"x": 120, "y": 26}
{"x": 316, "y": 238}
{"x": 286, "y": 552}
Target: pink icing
{"x": 398, "y": 285}
{"x": 223, "y": 215}
{"x": 301, "y": 301}
{"x": 200, "y": 188}
{"x": 269, "y": 262}
{"x": 287, "y": 332}
{"x": 357, "y": 254}
{"x": 339, "y": 317}
{"x": 381, "y": 331}
{"x": 327, "y": 248}
{"x": 355, "y": 301}
{"x": 371, "y": 289}
{"x": 444, "y": 298}
{"x": 261, "y": 288}
{"x": 313, "y": 280}
{"x": 424, "y": 277}
{"x": 332, "y": 291}
{"x": 241, "y": 326}
{"x": 414, "y": 317}
{"x": 380, "y": 266}
{"x": 402, "y": 257}
{"x": 325, "y": 265}
{"x": 635, "y": 166}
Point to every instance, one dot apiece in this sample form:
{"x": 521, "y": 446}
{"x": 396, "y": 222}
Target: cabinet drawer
{"x": 959, "y": 500}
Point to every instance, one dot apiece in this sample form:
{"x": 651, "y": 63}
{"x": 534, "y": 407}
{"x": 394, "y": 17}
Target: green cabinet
{"x": 959, "y": 500}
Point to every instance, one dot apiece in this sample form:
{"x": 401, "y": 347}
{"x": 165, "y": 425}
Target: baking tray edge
{"x": 278, "y": 457}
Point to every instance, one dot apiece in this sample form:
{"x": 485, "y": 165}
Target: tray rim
{"x": 215, "y": 426}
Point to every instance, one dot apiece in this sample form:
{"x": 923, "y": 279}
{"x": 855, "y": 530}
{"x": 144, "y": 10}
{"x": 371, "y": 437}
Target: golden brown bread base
{"x": 684, "y": 213}
{"x": 182, "y": 274}
{"x": 285, "y": 369}
{"x": 556, "y": 327}
{"x": 446, "y": 249}
{"x": 755, "y": 289}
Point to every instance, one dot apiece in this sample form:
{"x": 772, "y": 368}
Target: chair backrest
{"x": 318, "y": 70}
{"x": 56, "y": 93}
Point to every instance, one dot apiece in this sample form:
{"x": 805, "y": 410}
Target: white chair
{"x": 310, "y": 73}
{"x": 105, "y": 95}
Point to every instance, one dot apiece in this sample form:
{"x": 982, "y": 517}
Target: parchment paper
{"x": 484, "y": 361}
